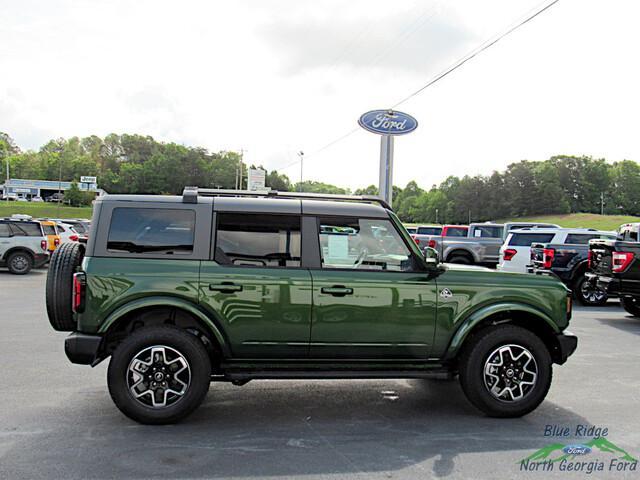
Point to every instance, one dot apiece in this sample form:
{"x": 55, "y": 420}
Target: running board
{"x": 241, "y": 375}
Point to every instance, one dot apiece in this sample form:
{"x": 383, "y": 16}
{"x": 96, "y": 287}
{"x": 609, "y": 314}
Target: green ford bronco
{"x": 219, "y": 285}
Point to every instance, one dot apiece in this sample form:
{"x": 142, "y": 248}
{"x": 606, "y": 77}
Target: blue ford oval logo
{"x": 576, "y": 449}
{"x": 388, "y": 122}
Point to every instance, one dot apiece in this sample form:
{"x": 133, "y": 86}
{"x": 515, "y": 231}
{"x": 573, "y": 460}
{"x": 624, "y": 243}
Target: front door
{"x": 370, "y": 298}
{"x": 256, "y": 288}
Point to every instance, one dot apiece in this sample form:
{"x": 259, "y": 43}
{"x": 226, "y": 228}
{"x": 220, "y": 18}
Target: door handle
{"x": 337, "y": 290}
{"x": 225, "y": 287}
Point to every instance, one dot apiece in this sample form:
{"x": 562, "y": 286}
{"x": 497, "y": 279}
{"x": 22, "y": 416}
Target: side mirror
{"x": 431, "y": 256}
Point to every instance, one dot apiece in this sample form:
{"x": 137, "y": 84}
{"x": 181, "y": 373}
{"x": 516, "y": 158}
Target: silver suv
{"x": 23, "y": 245}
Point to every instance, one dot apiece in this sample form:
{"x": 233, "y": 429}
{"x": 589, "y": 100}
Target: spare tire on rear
{"x": 64, "y": 263}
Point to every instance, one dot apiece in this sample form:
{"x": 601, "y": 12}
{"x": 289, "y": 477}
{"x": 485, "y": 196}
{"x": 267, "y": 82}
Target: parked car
{"x": 67, "y": 233}
{"x": 481, "y": 245}
{"x": 224, "y": 286}
{"x": 51, "y": 232}
{"x": 55, "y": 197}
{"x": 23, "y": 245}
{"x": 615, "y": 266}
{"x": 37, "y": 199}
{"x": 566, "y": 256}
{"x": 424, "y": 236}
{"x": 81, "y": 226}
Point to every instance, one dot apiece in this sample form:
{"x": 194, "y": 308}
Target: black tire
{"x": 20, "y": 263}
{"x": 177, "y": 340}
{"x": 631, "y": 305}
{"x": 64, "y": 263}
{"x": 588, "y": 295}
{"x": 460, "y": 259}
{"x": 476, "y": 354}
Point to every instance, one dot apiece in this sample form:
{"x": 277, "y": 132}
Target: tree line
{"x": 139, "y": 164}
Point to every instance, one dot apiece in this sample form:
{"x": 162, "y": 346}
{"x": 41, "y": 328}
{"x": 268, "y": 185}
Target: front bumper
{"x": 566, "y": 344}
{"x": 82, "y": 349}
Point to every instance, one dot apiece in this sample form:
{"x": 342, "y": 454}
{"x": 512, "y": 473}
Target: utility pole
{"x": 59, "y": 182}
{"x": 601, "y": 203}
{"x": 436, "y": 215}
{"x": 301, "y": 155}
{"x": 6, "y": 182}
{"x": 240, "y": 169}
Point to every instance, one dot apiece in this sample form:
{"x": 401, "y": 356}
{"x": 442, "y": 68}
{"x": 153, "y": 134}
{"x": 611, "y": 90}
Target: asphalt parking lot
{"x": 57, "y": 419}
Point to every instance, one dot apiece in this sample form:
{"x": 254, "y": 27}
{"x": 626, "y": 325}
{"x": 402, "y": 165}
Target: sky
{"x": 275, "y": 77}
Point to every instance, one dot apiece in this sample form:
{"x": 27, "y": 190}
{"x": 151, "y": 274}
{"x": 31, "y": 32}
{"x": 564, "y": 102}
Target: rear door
{"x": 255, "y": 284}
{"x": 370, "y": 299}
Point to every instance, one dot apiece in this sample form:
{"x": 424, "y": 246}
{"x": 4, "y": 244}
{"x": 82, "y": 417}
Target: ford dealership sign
{"x": 388, "y": 122}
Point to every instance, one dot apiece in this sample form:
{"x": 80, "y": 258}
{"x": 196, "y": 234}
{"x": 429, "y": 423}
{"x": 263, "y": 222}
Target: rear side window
{"x": 583, "y": 238}
{"x": 49, "y": 230}
{"x": 456, "y": 232}
{"x": 630, "y": 236}
{"x": 429, "y": 230}
{"x": 149, "y": 230}
{"x": 4, "y": 230}
{"x": 26, "y": 229}
{"x": 487, "y": 231}
{"x": 258, "y": 240}
{"x": 526, "y": 239}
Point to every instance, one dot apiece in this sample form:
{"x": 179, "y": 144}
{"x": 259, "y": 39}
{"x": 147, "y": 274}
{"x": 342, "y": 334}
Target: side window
{"x": 150, "y": 230}
{"x": 456, "y": 232}
{"x": 364, "y": 244}
{"x": 429, "y": 230}
{"x": 487, "y": 232}
{"x": 258, "y": 240}
{"x": 580, "y": 238}
{"x": 25, "y": 229}
{"x": 49, "y": 230}
{"x": 4, "y": 230}
{"x": 526, "y": 239}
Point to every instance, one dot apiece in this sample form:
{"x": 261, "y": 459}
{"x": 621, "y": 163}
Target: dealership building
{"x": 21, "y": 188}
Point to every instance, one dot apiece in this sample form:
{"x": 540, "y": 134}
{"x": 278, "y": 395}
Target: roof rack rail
{"x": 190, "y": 195}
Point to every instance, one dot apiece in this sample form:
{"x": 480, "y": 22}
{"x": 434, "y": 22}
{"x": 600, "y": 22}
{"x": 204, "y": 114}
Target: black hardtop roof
{"x": 268, "y": 202}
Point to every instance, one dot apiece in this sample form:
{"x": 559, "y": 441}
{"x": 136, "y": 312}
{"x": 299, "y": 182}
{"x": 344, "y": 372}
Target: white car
{"x": 67, "y": 233}
{"x": 515, "y": 253}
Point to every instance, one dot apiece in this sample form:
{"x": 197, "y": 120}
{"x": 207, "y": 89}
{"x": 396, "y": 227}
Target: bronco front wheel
{"x": 505, "y": 371}
{"x": 159, "y": 375}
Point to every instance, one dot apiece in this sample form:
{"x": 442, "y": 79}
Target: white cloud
{"x": 275, "y": 77}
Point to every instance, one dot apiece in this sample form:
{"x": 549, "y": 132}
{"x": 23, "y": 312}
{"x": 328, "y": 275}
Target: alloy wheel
{"x": 510, "y": 373}
{"x": 158, "y": 376}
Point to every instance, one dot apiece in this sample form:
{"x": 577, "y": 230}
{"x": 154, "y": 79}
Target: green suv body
{"x": 222, "y": 286}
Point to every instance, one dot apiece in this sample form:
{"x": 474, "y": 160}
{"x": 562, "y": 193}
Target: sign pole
{"x": 385, "y": 187}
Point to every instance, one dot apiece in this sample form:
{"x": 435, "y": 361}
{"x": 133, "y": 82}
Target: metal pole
{"x": 301, "y": 155}
{"x": 601, "y": 203}
{"x": 6, "y": 182}
{"x": 385, "y": 186}
{"x": 59, "y": 183}
{"x": 436, "y": 215}
{"x": 240, "y": 176}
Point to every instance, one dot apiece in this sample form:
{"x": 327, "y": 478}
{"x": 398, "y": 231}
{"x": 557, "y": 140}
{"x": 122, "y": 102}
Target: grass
{"x": 51, "y": 210}
{"x": 578, "y": 220}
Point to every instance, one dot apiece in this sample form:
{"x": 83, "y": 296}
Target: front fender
{"x": 165, "y": 301}
{"x": 477, "y": 317}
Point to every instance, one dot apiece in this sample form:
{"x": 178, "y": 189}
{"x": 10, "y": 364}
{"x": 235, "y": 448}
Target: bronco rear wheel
{"x": 505, "y": 371}
{"x": 64, "y": 262}
{"x": 159, "y": 375}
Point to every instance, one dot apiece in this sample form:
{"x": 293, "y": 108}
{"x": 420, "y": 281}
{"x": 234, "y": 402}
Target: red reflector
{"x": 589, "y": 259}
{"x": 508, "y": 254}
{"x": 43, "y": 244}
{"x": 549, "y": 255}
{"x": 56, "y": 241}
{"x": 432, "y": 243}
{"x": 621, "y": 260}
{"x": 78, "y": 291}
{"x": 73, "y": 238}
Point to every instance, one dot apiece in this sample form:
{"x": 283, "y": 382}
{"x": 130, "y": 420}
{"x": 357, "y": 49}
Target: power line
{"x": 476, "y": 52}
{"x": 472, "y": 54}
